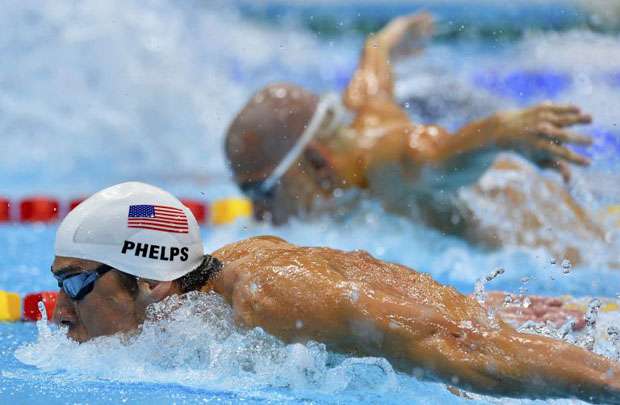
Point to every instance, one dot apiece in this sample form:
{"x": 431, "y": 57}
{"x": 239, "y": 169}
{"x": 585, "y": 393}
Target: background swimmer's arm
{"x": 374, "y": 80}
{"x": 537, "y": 132}
{"x": 449, "y": 161}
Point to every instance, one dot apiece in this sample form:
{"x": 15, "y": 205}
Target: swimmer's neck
{"x": 222, "y": 283}
{"x": 347, "y": 164}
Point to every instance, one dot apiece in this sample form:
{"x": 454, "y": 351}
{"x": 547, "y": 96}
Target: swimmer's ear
{"x": 155, "y": 291}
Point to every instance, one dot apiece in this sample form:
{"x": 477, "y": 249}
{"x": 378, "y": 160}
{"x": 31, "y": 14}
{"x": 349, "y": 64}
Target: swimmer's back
{"x": 277, "y": 262}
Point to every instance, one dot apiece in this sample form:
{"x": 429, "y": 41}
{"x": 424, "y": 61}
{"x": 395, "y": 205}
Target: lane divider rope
{"x": 46, "y": 209}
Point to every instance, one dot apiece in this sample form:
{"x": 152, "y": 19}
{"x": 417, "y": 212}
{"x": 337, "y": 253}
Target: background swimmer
{"x": 420, "y": 171}
{"x": 350, "y": 301}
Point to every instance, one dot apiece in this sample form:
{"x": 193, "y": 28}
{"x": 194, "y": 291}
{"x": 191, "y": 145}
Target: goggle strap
{"x": 327, "y": 101}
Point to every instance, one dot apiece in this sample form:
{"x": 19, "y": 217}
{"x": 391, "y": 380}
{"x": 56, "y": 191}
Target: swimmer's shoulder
{"x": 239, "y": 250}
{"x": 239, "y": 257}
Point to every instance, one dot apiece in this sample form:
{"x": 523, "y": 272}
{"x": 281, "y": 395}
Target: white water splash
{"x": 480, "y": 290}
{"x": 194, "y": 341}
{"x": 589, "y": 339}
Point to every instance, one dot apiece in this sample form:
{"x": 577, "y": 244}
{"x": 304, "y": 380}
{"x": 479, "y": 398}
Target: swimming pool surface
{"x": 100, "y": 93}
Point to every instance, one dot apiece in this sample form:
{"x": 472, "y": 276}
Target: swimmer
{"x": 132, "y": 245}
{"x": 289, "y": 148}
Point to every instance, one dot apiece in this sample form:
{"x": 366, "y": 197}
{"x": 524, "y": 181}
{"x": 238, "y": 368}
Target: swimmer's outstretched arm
{"x": 374, "y": 79}
{"x": 539, "y": 132}
{"x": 448, "y": 161}
{"x": 300, "y": 294}
{"x": 497, "y": 361}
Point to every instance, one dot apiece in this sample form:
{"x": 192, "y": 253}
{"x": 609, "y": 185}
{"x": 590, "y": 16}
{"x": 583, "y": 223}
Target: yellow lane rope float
{"x": 10, "y": 307}
{"x": 228, "y": 210}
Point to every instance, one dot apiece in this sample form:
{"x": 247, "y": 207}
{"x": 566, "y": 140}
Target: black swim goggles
{"x": 78, "y": 285}
{"x": 257, "y": 192}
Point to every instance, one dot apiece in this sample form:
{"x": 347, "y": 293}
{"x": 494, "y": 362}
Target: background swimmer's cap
{"x": 266, "y": 129}
{"x": 136, "y": 228}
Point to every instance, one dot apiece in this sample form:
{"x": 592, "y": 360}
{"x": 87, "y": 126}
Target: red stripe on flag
{"x": 142, "y": 221}
{"x": 158, "y": 229}
{"x": 163, "y": 220}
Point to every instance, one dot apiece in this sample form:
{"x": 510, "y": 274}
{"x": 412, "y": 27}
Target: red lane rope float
{"x": 31, "y": 305}
{"x": 5, "y": 210}
{"x": 38, "y": 209}
{"x": 75, "y": 202}
{"x": 44, "y": 209}
{"x": 198, "y": 208}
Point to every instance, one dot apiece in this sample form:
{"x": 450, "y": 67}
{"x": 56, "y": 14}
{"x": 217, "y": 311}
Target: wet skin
{"x": 357, "y": 304}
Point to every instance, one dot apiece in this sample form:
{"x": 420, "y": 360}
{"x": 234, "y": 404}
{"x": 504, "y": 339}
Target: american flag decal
{"x": 157, "y": 218}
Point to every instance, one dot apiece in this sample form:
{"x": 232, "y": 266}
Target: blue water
{"x": 96, "y": 94}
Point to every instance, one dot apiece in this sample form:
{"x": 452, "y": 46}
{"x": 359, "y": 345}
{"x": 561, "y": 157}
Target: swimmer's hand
{"x": 540, "y": 133}
{"x": 537, "y": 309}
{"x": 406, "y": 36}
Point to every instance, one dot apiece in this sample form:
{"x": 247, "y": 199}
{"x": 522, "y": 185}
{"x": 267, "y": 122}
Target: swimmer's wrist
{"x": 503, "y": 133}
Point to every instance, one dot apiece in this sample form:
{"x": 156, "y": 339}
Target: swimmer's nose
{"x": 64, "y": 314}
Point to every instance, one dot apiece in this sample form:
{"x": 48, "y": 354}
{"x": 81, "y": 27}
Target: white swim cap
{"x": 136, "y": 228}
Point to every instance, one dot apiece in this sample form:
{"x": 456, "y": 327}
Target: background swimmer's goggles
{"x": 257, "y": 191}
{"x": 77, "y": 286}
{"x": 329, "y": 103}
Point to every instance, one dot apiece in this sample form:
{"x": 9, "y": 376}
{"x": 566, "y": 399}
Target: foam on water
{"x": 194, "y": 342}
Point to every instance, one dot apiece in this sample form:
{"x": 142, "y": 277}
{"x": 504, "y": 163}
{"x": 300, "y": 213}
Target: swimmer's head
{"x": 121, "y": 250}
{"x": 262, "y": 135}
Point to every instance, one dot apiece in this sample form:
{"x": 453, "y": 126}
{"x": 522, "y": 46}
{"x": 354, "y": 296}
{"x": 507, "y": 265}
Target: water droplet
{"x": 497, "y": 272}
{"x": 614, "y": 338}
{"x": 299, "y": 324}
{"x": 466, "y": 325}
{"x": 591, "y": 317}
{"x": 480, "y": 285}
{"x": 553, "y": 261}
{"x": 253, "y": 288}
{"x": 42, "y": 310}
{"x": 566, "y": 328}
{"x": 566, "y": 266}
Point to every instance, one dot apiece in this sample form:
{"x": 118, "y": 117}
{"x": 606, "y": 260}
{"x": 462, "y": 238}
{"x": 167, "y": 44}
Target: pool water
{"x": 93, "y": 96}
